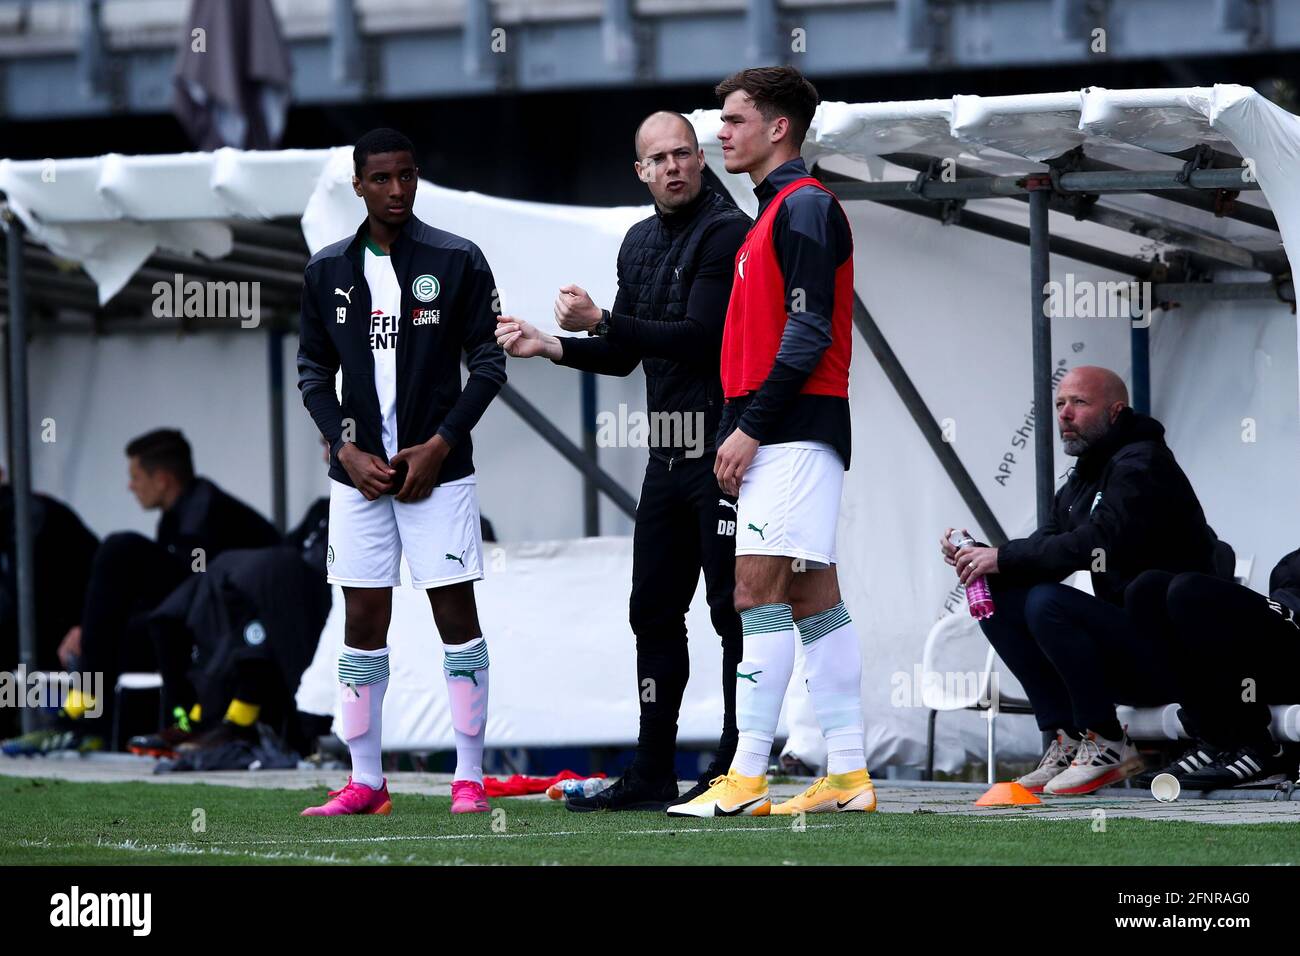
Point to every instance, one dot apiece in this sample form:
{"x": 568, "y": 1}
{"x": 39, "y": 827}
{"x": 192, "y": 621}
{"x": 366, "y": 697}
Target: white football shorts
{"x": 440, "y": 536}
{"x": 789, "y": 503}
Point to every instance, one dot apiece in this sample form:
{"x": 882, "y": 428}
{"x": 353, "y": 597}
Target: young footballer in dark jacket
{"x": 1126, "y": 508}
{"x": 674, "y": 281}
{"x": 395, "y": 306}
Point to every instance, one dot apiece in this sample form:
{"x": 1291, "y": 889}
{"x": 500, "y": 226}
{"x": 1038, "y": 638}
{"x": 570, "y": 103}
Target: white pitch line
{"x": 214, "y": 847}
{"x": 191, "y": 849}
{"x": 539, "y": 833}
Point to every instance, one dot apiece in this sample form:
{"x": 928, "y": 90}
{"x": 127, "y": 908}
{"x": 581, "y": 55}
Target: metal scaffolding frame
{"x": 1072, "y": 186}
{"x": 274, "y": 254}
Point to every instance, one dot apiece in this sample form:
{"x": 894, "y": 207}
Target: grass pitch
{"x": 63, "y": 823}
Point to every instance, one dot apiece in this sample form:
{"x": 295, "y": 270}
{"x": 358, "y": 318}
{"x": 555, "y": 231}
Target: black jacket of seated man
{"x": 1284, "y": 582}
{"x": 62, "y": 552}
{"x": 1126, "y": 508}
{"x": 206, "y": 517}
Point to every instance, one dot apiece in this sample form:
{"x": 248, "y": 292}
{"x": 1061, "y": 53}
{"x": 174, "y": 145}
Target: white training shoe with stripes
{"x": 1097, "y": 763}
{"x": 1055, "y": 762}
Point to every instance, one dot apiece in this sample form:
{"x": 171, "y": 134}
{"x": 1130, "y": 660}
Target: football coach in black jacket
{"x": 1126, "y": 508}
{"x": 395, "y": 306}
{"x": 674, "y": 281}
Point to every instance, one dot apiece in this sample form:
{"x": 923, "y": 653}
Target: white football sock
{"x": 466, "y": 669}
{"x": 761, "y": 680}
{"x": 363, "y": 680}
{"x": 833, "y": 665}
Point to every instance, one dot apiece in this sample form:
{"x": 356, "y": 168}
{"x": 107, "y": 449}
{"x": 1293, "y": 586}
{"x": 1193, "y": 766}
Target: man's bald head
{"x": 1102, "y": 383}
{"x": 669, "y": 160}
{"x": 666, "y": 120}
{"x": 1088, "y": 401}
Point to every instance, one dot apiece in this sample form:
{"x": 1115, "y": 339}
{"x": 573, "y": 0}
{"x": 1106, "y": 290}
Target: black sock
{"x": 1264, "y": 745}
{"x": 1111, "y": 730}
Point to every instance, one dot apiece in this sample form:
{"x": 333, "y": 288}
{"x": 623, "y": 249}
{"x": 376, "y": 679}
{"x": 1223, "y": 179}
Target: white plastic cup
{"x": 1165, "y": 788}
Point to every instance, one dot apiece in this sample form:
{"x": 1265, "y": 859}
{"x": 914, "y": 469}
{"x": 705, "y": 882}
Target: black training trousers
{"x": 1233, "y": 651}
{"x": 684, "y": 524}
{"x": 129, "y": 577}
{"x": 1076, "y": 655}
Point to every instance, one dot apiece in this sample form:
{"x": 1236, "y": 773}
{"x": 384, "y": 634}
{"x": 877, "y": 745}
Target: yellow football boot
{"x": 838, "y": 793}
{"x": 728, "y": 796}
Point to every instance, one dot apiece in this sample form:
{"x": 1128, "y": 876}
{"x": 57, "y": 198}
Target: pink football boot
{"x": 468, "y": 797}
{"x": 354, "y": 798}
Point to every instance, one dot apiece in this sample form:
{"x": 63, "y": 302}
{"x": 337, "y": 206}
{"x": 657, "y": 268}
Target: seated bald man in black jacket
{"x": 1126, "y": 508}
{"x": 131, "y": 575}
{"x": 1234, "y": 652}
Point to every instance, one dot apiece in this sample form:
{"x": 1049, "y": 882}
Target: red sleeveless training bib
{"x": 756, "y": 314}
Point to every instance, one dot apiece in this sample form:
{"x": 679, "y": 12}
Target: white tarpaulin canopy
{"x": 952, "y": 304}
{"x": 111, "y": 213}
{"x": 1129, "y": 128}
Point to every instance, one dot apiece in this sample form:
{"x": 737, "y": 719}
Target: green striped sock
{"x": 818, "y": 625}
{"x": 761, "y": 679}
{"x": 767, "y": 619}
{"x": 465, "y": 658}
{"x": 360, "y": 669}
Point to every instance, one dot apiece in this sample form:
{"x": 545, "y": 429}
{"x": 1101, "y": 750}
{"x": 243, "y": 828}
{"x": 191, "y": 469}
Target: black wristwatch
{"x": 602, "y": 327}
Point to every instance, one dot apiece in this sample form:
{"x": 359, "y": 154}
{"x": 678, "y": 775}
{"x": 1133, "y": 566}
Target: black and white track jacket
{"x": 449, "y": 306}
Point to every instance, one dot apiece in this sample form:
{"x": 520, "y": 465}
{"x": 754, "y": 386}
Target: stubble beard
{"x": 1075, "y": 447}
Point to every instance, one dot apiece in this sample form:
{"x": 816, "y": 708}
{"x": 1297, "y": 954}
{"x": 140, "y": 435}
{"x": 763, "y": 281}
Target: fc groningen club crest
{"x": 254, "y": 633}
{"x": 425, "y": 288}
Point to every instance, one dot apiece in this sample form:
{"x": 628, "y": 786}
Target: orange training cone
{"x": 1006, "y": 795}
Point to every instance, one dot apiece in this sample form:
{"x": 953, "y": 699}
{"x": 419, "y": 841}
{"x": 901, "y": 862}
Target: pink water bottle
{"x": 977, "y": 589}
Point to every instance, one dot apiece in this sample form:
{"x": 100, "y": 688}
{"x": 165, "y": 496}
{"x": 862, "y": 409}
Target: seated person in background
{"x": 1234, "y": 652}
{"x": 62, "y": 551}
{"x": 63, "y": 548}
{"x": 232, "y": 644}
{"x": 1126, "y": 508}
{"x": 131, "y": 575}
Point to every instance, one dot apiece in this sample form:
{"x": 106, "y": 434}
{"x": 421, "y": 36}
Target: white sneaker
{"x": 1097, "y": 763}
{"x": 1055, "y": 761}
